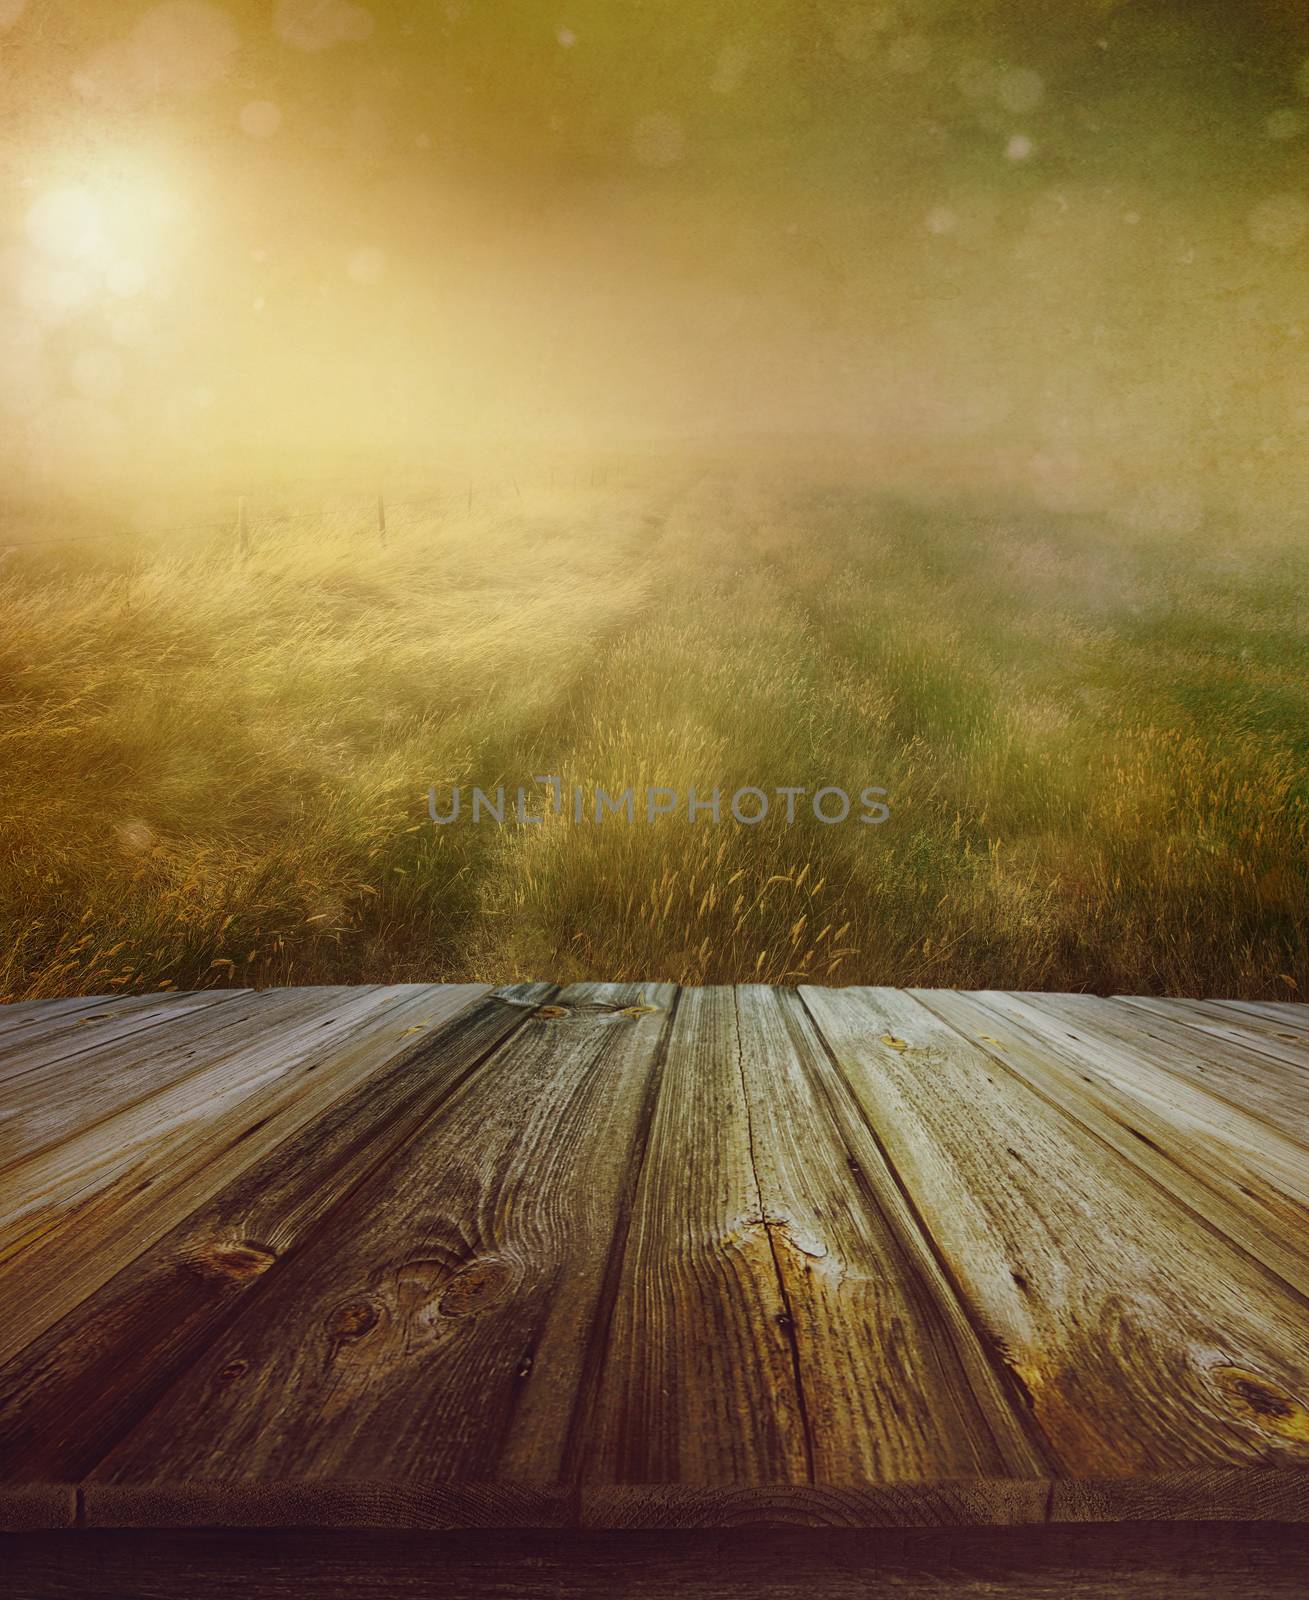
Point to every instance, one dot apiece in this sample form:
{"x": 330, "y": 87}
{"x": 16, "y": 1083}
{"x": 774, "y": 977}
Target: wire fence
{"x": 372, "y": 513}
{"x": 246, "y": 519}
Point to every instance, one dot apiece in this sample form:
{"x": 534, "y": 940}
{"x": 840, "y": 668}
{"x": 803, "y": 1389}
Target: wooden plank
{"x": 67, "y": 1020}
{"x": 1135, "y": 1561}
{"x": 50, "y": 1102}
{"x": 897, "y": 1386}
{"x": 86, "y": 1208}
{"x": 41, "y": 1049}
{"x": 1251, "y": 1494}
{"x": 1139, "y": 1067}
{"x": 53, "y": 1154}
{"x": 447, "y": 1503}
{"x": 1248, "y": 1033}
{"x": 25, "y": 1506}
{"x": 325, "y": 1503}
{"x": 1246, "y": 1079}
{"x": 68, "y": 1396}
{"x": 1231, "y": 1169}
{"x": 1145, "y": 1341}
{"x": 1215, "y": 1494}
{"x": 891, "y": 1383}
{"x": 1287, "y": 1013}
{"x": 535, "y": 1447}
{"x": 862, "y": 1503}
{"x": 19, "y": 1013}
{"x": 698, "y": 1383}
{"x": 442, "y": 1318}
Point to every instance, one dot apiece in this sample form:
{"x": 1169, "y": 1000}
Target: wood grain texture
{"x": 327, "y": 1503}
{"x": 944, "y": 1503}
{"x": 48, "y": 1048}
{"x": 48, "y": 1018}
{"x": 1268, "y": 1038}
{"x": 1218, "y": 1494}
{"x": 896, "y": 1386}
{"x": 1285, "y": 1014}
{"x": 52, "y": 1100}
{"x": 1270, "y": 1495}
{"x": 37, "y": 1506}
{"x": 71, "y": 1393}
{"x": 1144, "y": 1340}
{"x": 633, "y": 1258}
{"x": 439, "y": 1325}
{"x": 1244, "y": 1077}
{"x": 1224, "y": 1165}
{"x": 74, "y": 1214}
{"x": 698, "y": 1382}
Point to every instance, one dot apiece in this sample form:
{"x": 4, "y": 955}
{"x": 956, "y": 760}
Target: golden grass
{"x": 1095, "y": 740}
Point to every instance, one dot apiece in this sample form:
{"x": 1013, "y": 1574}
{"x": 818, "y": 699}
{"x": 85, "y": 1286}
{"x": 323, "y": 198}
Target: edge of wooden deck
{"x": 1222, "y": 1495}
{"x": 1245, "y": 1494}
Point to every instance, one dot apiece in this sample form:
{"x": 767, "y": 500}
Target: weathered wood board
{"x": 617, "y": 1256}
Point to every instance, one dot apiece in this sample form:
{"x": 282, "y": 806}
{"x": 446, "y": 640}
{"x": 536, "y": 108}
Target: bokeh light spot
{"x": 66, "y": 222}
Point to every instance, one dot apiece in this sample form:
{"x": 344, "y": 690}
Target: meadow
{"x": 1094, "y": 739}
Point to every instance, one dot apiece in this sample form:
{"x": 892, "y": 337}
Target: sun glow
{"x": 109, "y": 226}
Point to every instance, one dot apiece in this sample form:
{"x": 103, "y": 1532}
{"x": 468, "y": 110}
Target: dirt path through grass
{"x": 1093, "y": 740}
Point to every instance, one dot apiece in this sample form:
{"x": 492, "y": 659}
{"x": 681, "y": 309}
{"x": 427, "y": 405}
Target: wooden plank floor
{"x": 616, "y": 1256}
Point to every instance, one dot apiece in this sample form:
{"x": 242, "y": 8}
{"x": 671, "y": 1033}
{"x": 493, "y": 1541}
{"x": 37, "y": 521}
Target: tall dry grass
{"x": 1094, "y": 737}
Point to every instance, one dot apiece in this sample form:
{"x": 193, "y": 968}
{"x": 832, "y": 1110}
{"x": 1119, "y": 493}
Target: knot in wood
{"x": 1255, "y": 1399}
{"x": 480, "y": 1284}
{"x": 239, "y": 1260}
{"x": 353, "y": 1319}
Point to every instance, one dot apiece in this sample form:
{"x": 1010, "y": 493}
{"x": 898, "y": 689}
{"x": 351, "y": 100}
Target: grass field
{"x": 1095, "y": 742}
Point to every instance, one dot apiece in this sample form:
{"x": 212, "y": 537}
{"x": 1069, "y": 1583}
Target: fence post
{"x": 242, "y": 527}
{"x": 381, "y": 517}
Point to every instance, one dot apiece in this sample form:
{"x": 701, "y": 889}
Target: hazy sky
{"x": 1074, "y": 232}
